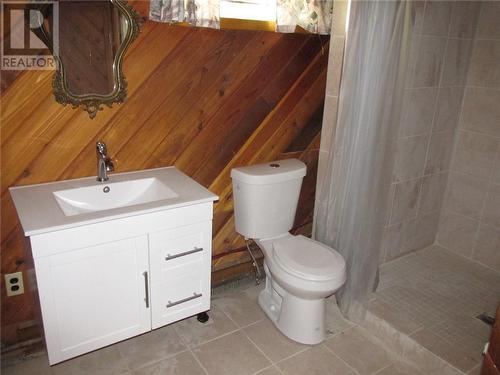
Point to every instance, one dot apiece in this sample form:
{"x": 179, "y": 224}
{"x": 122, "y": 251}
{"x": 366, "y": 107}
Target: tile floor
{"x": 434, "y": 296}
{"x": 237, "y": 340}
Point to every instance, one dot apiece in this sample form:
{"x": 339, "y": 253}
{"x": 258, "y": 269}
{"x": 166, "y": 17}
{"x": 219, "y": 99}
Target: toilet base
{"x": 299, "y": 319}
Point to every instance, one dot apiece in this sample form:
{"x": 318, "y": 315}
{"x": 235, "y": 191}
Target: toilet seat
{"x": 308, "y": 259}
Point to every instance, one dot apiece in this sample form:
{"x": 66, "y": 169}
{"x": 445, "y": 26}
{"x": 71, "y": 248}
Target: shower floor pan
{"x": 427, "y": 308}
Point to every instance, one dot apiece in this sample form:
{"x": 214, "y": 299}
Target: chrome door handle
{"x": 146, "y": 288}
{"x": 194, "y": 296}
{"x": 195, "y": 250}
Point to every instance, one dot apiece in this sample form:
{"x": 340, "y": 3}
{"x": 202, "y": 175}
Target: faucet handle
{"x": 101, "y": 148}
{"x": 110, "y": 165}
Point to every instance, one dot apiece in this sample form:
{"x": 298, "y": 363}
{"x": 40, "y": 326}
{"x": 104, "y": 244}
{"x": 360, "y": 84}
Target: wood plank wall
{"x": 202, "y": 100}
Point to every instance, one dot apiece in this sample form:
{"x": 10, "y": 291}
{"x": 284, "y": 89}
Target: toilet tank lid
{"x": 271, "y": 172}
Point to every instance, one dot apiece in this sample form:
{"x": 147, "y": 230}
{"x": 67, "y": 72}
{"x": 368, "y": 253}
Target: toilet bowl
{"x": 300, "y": 272}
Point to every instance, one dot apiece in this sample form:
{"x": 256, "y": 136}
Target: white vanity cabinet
{"x": 118, "y": 258}
{"x": 108, "y": 281}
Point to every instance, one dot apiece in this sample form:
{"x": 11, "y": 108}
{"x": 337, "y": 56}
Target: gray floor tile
{"x": 359, "y": 351}
{"x": 242, "y": 307}
{"x": 194, "y": 333}
{"x": 231, "y": 354}
{"x": 399, "y": 369}
{"x": 271, "y": 341}
{"x": 468, "y": 333}
{"x": 150, "y": 347}
{"x": 452, "y": 354}
{"x": 317, "y": 360}
{"x": 273, "y": 370}
{"x": 180, "y": 364}
{"x": 100, "y": 362}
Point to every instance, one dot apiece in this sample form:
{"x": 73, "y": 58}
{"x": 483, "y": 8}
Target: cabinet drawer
{"x": 184, "y": 291}
{"x": 180, "y": 263}
{"x": 187, "y": 247}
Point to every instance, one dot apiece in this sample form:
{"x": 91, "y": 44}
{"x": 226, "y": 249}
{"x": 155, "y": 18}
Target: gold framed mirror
{"x": 93, "y": 37}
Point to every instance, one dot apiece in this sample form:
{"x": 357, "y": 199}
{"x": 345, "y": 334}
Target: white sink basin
{"x": 107, "y": 196}
{"x": 66, "y": 204}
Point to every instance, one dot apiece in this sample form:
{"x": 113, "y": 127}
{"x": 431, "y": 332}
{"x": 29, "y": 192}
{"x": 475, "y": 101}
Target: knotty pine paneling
{"x": 203, "y": 100}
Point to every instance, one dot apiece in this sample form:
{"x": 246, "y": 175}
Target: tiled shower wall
{"x": 442, "y": 42}
{"x": 470, "y": 222}
{"x": 447, "y": 38}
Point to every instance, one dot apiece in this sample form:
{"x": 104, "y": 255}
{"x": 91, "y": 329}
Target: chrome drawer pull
{"x": 195, "y": 250}
{"x": 194, "y": 296}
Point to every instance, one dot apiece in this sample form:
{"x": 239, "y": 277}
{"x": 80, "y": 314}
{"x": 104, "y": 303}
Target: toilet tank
{"x": 266, "y": 196}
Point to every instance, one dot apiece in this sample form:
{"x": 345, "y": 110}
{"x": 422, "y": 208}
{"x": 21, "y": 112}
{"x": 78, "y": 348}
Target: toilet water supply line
{"x": 258, "y": 274}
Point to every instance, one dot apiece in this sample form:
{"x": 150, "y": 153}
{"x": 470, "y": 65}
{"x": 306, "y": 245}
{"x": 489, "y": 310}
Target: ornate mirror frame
{"x": 93, "y": 103}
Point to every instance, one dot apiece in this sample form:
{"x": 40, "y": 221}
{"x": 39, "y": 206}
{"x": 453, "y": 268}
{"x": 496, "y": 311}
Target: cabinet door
{"x": 93, "y": 297}
{"x": 180, "y": 261}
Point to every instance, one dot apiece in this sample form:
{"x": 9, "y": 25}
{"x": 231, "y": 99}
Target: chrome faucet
{"x": 104, "y": 162}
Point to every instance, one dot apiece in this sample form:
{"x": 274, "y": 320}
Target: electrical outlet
{"x": 14, "y": 283}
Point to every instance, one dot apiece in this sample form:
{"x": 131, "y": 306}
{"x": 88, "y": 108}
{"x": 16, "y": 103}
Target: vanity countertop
{"x": 39, "y": 211}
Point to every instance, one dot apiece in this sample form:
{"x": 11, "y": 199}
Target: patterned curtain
{"x": 203, "y": 13}
{"x": 314, "y": 16}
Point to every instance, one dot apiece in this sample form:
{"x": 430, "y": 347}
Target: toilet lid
{"x": 308, "y": 259}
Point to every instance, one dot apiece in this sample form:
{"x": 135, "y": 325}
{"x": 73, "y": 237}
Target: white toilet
{"x": 300, "y": 272}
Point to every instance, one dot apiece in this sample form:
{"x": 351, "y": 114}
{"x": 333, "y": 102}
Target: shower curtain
{"x": 351, "y": 202}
